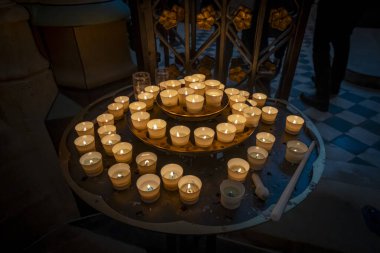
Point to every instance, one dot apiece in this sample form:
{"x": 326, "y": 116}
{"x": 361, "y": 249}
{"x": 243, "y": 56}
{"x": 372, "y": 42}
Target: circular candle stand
{"x": 168, "y": 214}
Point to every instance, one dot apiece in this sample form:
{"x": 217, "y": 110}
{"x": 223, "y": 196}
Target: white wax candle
{"x": 231, "y": 91}
{"x": 106, "y": 129}
{"x": 147, "y": 98}
{"x": 194, "y": 103}
{"x": 237, "y": 169}
{"x": 189, "y": 189}
{"x": 190, "y": 79}
{"x": 257, "y": 157}
{"x": 85, "y": 143}
{"x": 260, "y": 99}
{"x": 173, "y": 84}
{"x": 265, "y": 140}
{"x": 154, "y": 89}
{"x": 183, "y": 93}
{"x": 201, "y": 77}
{"x": 105, "y": 119}
{"x": 109, "y": 141}
{"x": 214, "y": 97}
{"x": 252, "y": 114}
{"x": 236, "y": 99}
{"x": 137, "y": 107}
{"x": 124, "y": 100}
{"x": 156, "y": 128}
{"x": 85, "y": 128}
{"x": 140, "y": 120}
{"x": 225, "y": 132}
{"x": 212, "y": 84}
{"x": 179, "y": 135}
{"x": 92, "y": 163}
{"x": 148, "y": 186}
{"x": 238, "y": 121}
{"x": 120, "y": 176}
{"x": 295, "y": 151}
{"x": 238, "y": 108}
{"x": 169, "y": 97}
{"x": 244, "y": 93}
{"x": 269, "y": 114}
{"x": 146, "y": 163}
{"x": 116, "y": 109}
{"x": 294, "y": 124}
{"x": 204, "y": 136}
{"x": 199, "y": 88}
{"x": 231, "y": 193}
{"x": 122, "y": 152}
{"x": 171, "y": 174}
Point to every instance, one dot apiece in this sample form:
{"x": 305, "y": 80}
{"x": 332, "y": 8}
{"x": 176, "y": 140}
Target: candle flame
{"x": 146, "y": 162}
{"x": 84, "y": 128}
{"x": 236, "y": 121}
{"x": 193, "y": 100}
{"x": 119, "y": 175}
{"x": 121, "y": 151}
{"x": 155, "y": 126}
{"x": 91, "y": 161}
{"x": 177, "y": 134}
{"x": 84, "y": 142}
{"x": 171, "y": 174}
{"x": 110, "y": 142}
{"x": 294, "y": 121}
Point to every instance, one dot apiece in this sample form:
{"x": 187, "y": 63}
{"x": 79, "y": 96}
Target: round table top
{"x": 207, "y": 216}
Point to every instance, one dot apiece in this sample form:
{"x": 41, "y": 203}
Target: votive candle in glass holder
{"x": 236, "y": 99}
{"x": 238, "y": 169}
{"x": 183, "y": 93}
{"x": 294, "y": 124}
{"x": 105, "y": 130}
{"x": 109, "y": 141}
{"x": 154, "y": 89}
{"x": 231, "y": 91}
{"x": 191, "y": 79}
{"x": 116, "y": 109}
{"x": 295, "y": 151}
{"x": 199, "y": 88}
{"x": 156, "y": 128}
{"x": 194, "y": 103}
{"x": 204, "y": 136}
{"x": 252, "y": 114}
{"x": 212, "y": 84}
{"x": 221, "y": 87}
{"x": 201, "y": 77}
{"x": 238, "y": 121}
{"x": 179, "y": 135}
{"x": 137, "y": 107}
{"x": 120, "y": 176}
{"x": 214, "y": 97}
{"x": 124, "y": 100}
{"x": 189, "y": 189}
{"x": 269, "y": 114}
{"x": 147, "y": 98}
{"x": 231, "y": 193}
{"x": 244, "y": 93}
{"x": 260, "y": 99}
{"x": 238, "y": 108}
{"x": 140, "y": 120}
{"x": 85, "y": 128}
{"x": 257, "y": 156}
{"x": 265, "y": 140}
{"x": 173, "y": 84}
{"x": 122, "y": 152}
{"x": 171, "y": 174}
{"x": 92, "y": 163}
{"x": 105, "y": 119}
{"x": 85, "y": 143}
{"x": 225, "y": 132}
{"x": 148, "y": 186}
{"x": 169, "y": 97}
{"x": 146, "y": 163}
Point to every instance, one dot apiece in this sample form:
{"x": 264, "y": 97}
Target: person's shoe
{"x": 316, "y": 102}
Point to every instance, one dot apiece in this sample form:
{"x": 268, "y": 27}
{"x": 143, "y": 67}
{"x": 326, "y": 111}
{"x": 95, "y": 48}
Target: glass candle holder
{"x": 294, "y": 124}
{"x": 156, "y": 128}
{"x": 122, "y": 152}
{"x": 221, "y": 87}
{"x": 147, "y": 98}
{"x": 85, "y": 143}
{"x": 146, "y": 163}
{"x": 204, "y": 136}
{"x": 236, "y": 99}
{"x": 257, "y": 156}
{"x": 154, "y": 89}
{"x": 295, "y": 151}
{"x": 244, "y": 93}
{"x": 265, "y": 140}
{"x": 238, "y": 121}
{"x": 183, "y": 93}
{"x": 260, "y": 99}
{"x": 161, "y": 75}
{"x": 105, "y": 119}
{"x": 116, "y": 109}
{"x": 201, "y": 77}
{"x": 173, "y": 84}
{"x": 85, "y": 128}
{"x": 109, "y": 141}
{"x": 199, "y": 88}
{"x": 231, "y": 91}
{"x": 105, "y": 130}
{"x": 269, "y": 114}
{"x": 253, "y": 115}
{"x": 92, "y": 163}
{"x": 225, "y": 132}
{"x": 148, "y": 186}
{"x": 171, "y": 174}
{"x": 140, "y": 120}
{"x": 189, "y": 189}
{"x": 212, "y": 84}
{"x": 137, "y": 107}
{"x": 140, "y": 80}
{"x": 179, "y": 135}
{"x": 120, "y": 176}
{"x": 190, "y": 79}
{"x": 238, "y": 108}
{"x": 214, "y": 97}
{"x": 169, "y": 97}
{"x": 231, "y": 193}
{"x": 124, "y": 100}
{"x": 237, "y": 169}
{"x": 194, "y": 103}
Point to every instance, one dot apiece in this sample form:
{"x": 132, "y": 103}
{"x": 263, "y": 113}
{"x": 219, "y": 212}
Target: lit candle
{"x": 252, "y": 114}
{"x": 180, "y": 135}
{"x": 137, "y": 107}
{"x": 238, "y": 121}
{"x": 147, "y": 98}
{"x": 201, "y": 77}
{"x": 85, "y": 143}
{"x": 154, "y": 89}
{"x": 244, "y": 93}
{"x": 146, "y": 163}
{"x": 173, "y": 84}
{"x": 295, "y": 151}
{"x": 238, "y": 108}
{"x": 260, "y": 99}
{"x": 269, "y": 114}
{"x": 183, "y": 93}
{"x": 122, "y": 152}
{"x": 156, "y": 128}
{"x": 194, "y": 103}
{"x": 190, "y": 79}
{"x": 105, "y": 130}
{"x": 120, "y": 176}
{"x": 189, "y": 189}
{"x": 212, "y": 84}
{"x": 199, "y": 88}
{"x": 237, "y": 169}
{"x": 85, "y": 128}
{"x": 92, "y": 163}
{"x": 204, "y": 136}
{"x": 236, "y": 99}
{"x": 171, "y": 174}
{"x": 231, "y": 92}
{"x": 257, "y": 157}
{"x": 148, "y": 186}
{"x": 265, "y": 140}
{"x": 214, "y": 97}
{"x": 109, "y": 141}
{"x": 225, "y": 132}
{"x": 116, "y": 109}
{"x": 140, "y": 120}
{"x": 294, "y": 124}
{"x": 169, "y": 97}
{"x": 105, "y": 119}
{"x": 231, "y": 193}
{"x": 124, "y": 100}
